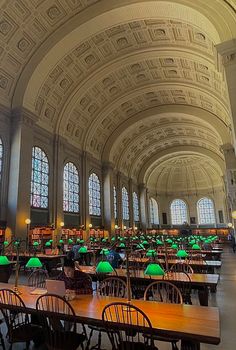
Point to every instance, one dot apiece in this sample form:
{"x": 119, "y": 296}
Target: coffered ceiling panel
{"x": 186, "y": 174}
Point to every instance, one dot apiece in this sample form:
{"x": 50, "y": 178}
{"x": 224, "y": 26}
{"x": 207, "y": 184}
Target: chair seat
{"x": 26, "y": 333}
{"x": 65, "y": 341}
{"x": 163, "y": 338}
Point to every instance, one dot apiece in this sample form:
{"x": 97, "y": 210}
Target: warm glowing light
{"x": 116, "y": 226}
{"x": 230, "y": 224}
{"x": 62, "y": 224}
{"x": 27, "y": 221}
{"x": 90, "y": 225}
{"x": 234, "y": 214}
{"x": 124, "y": 227}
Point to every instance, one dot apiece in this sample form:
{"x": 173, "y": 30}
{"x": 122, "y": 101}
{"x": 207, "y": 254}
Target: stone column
{"x": 58, "y": 168}
{"x": 228, "y": 51}
{"x": 119, "y": 200}
{"x": 230, "y": 178}
{"x": 20, "y": 173}
{"x": 143, "y": 197}
{"x": 131, "y": 206}
{"x": 109, "y": 221}
{"x": 84, "y": 201}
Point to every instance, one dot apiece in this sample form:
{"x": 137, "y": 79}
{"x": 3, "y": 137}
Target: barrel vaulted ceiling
{"x": 131, "y": 82}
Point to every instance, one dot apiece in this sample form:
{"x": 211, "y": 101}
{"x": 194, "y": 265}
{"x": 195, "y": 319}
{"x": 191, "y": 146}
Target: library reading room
{"x": 118, "y": 174}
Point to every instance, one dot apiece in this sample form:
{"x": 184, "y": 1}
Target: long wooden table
{"x": 199, "y": 281}
{"x": 192, "y": 324}
{"x": 202, "y": 279}
{"x": 208, "y": 265}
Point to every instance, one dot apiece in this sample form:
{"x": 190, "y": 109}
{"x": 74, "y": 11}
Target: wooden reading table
{"x": 192, "y": 324}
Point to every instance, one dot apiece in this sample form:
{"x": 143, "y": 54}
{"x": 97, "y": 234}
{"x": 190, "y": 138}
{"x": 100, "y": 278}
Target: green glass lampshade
{"x": 50, "y": 240}
{"x": 5, "y": 243}
{"x": 174, "y": 246}
{"x": 33, "y": 263}
{"x": 16, "y": 243}
{"x": 105, "y": 251}
{"x": 192, "y": 242}
{"x": 4, "y": 260}
{"x": 142, "y": 238}
{"x": 151, "y": 253}
{"x": 61, "y": 241}
{"x": 104, "y": 240}
{"x": 145, "y": 242}
{"x": 83, "y": 250}
{"x": 48, "y": 244}
{"x": 196, "y": 247}
{"x": 122, "y": 245}
{"x": 104, "y": 267}
{"x": 81, "y": 241}
{"x": 169, "y": 240}
{"x": 182, "y": 254}
{"x": 159, "y": 242}
{"x": 36, "y": 244}
{"x": 113, "y": 239}
{"x": 140, "y": 246}
{"x": 70, "y": 241}
{"x": 154, "y": 270}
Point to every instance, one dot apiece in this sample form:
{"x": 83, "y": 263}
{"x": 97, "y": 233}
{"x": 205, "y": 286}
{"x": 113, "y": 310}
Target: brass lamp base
{"x": 16, "y": 290}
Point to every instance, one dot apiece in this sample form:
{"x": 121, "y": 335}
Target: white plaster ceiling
{"x": 86, "y": 69}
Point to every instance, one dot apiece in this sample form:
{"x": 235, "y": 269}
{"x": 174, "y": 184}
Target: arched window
{"x": 1, "y": 158}
{"x": 206, "y": 211}
{"x": 94, "y": 195}
{"x": 135, "y": 207}
{"x": 39, "y": 179}
{"x": 179, "y": 212}
{"x": 115, "y": 202}
{"x": 153, "y": 206}
{"x": 70, "y": 188}
{"x": 125, "y": 204}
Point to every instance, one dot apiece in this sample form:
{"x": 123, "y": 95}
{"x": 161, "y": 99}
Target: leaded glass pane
{"x": 179, "y": 214}
{"x": 39, "y": 179}
{"x": 70, "y": 188}
{"x": 206, "y": 211}
{"x": 125, "y": 204}
{"x": 94, "y": 195}
{"x": 153, "y": 209}
{"x": 115, "y": 202}
{"x": 135, "y": 207}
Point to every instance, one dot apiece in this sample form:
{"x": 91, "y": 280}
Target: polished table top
{"x": 187, "y": 322}
{"x": 196, "y": 278}
{"x": 211, "y": 263}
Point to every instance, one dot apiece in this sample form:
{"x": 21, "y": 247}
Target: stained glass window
{"x": 125, "y": 204}
{"x": 39, "y": 179}
{"x": 94, "y": 195}
{"x": 135, "y": 207}
{"x": 115, "y": 202}
{"x": 206, "y": 211}
{"x": 1, "y": 157}
{"x": 70, "y": 188}
{"x": 179, "y": 212}
{"x": 153, "y": 208}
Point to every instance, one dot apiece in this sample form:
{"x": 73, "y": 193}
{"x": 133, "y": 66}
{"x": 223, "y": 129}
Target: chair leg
{"x": 99, "y": 343}
{"x": 89, "y": 339}
{"x": 2, "y": 342}
{"x": 27, "y": 345}
{"x": 174, "y": 346}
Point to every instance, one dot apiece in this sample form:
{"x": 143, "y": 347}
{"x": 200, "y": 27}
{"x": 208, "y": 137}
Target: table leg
{"x": 189, "y": 345}
{"x": 203, "y": 296}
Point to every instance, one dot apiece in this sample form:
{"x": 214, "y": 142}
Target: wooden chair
{"x": 59, "y": 333}
{"x": 113, "y": 287}
{"x": 166, "y": 292}
{"x": 19, "y": 328}
{"x": 37, "y": 278}
{"x": 185, "y": 286}
{"x": 127, "y": 327}
{"x": 181, "y": 267}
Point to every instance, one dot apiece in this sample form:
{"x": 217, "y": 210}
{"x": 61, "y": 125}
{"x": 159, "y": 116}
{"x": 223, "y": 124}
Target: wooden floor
{"x": 225, "y": 299}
